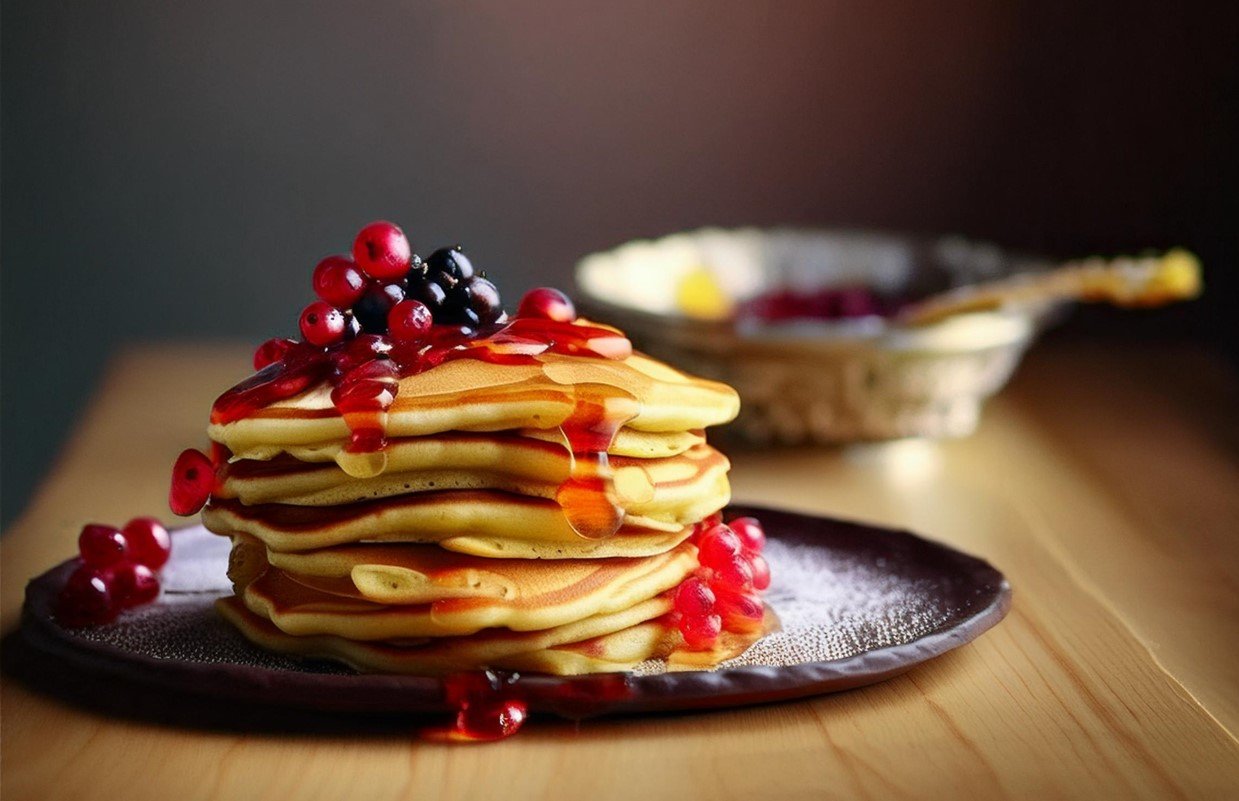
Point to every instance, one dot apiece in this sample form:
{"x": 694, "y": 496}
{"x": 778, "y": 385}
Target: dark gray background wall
{"x": 176, "y": 169}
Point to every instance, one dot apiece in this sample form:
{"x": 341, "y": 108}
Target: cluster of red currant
{"x": 118, "y": 571}
{"x": 725, "y": 592}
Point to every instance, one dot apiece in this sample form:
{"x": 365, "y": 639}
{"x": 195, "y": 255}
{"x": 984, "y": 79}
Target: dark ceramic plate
{"x": 858, "y": 604}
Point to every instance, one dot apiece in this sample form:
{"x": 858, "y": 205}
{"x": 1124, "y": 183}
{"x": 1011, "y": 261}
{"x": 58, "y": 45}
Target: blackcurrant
{"x": 371, "y": 310}
{"x": 448, "y": 267}
{"x": 484, "y": 300}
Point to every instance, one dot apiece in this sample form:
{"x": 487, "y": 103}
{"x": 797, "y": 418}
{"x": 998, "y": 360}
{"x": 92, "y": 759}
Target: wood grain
{"x": 1105, "y": 485}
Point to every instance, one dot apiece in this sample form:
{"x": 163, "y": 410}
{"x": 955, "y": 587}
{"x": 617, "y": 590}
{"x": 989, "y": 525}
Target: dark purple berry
{"x": 430, "y": 294}
{"x": 371, "y": 310}
{"x": 484, "y": 300}
{"x": 449, "y": 267}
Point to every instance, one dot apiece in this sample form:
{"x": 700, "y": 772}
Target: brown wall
{"x": 175, "y": 169}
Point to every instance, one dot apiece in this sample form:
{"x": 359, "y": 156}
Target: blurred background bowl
{"x": 810, "y": 380}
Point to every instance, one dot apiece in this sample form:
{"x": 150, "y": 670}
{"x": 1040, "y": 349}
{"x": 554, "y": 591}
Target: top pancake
{"x": 475, "y": 395}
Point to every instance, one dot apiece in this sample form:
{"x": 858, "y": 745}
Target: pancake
{"x": 554, "y": 652}
{"x": 604, "y": 643}
{"x": 655, "y": 487}
{"x": 398, "y": 593}
{"x": 475, "y": 395}
{"x": 480, "y": 522}
{"x": 627, "y": 442}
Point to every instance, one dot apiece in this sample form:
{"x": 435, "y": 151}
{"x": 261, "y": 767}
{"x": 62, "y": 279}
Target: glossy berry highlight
{"x": 86, "y": 599}
{"x": 337, "y": 281}
{"x": 149, "y": 542}
{"x": 409, "y": 321}
{"x": 694, "y": 597}
{"x": 322, "y": 324}
{"x": 761, "y": 571}
{"x": 382, "y": 251}
{"x": 734, "y": 574}
{"x": 718, "y": 547}
{"x": 700, "y": 632}
{"x": 484, "y": 300}
{"x": 546, "y": 303}
{"x": 133, "y": 584}
{"x": 102, "y": 546}
{"x": 749, "y": 530}
{"x": 449, "y": 267}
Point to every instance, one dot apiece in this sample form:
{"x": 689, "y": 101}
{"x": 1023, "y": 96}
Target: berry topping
{"x": 409, "y": 321}
{"x": 484, "y": 300}
{"x": 272, "y": 351}
{"x": 430, "y": 294}
{"x": 694, "y": 597}
{"x": 734, "y": 574}
{"x": 362, "y": 349}
{"x": 741, "y": 611}
{"x": 338, "y": 281}
{"x": 701, "y": 631}
{"x": 718, "y": 547}
{"x": 86, "y": 599}
{"x": 361, "y": 316}
{"x": 728, "y": 584}
{"x": 752, "y": 536}
{"x": 133, "y": 584}
{"x": 374, "y": 306}
{"x": 149, "y": 543}
{"x": 547, "y": 304}
{"x": 448, "y": 267}
{"x": 322, "y": 324}
{"x": 193, "y": 479}
{"x": 761, "y": 571}
{"x": 102, "y": 546}
{"x": 382, "y": 251}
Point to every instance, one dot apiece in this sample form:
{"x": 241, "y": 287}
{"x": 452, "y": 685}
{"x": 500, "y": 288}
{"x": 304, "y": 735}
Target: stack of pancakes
{"x": 456, "y": 546}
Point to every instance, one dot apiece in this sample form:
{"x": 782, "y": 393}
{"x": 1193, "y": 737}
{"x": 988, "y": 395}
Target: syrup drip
{"x": 487, "y": 708}
{"x": 365, "y": 385}
{"x": 491, "y": 705}
{"x": 588, "y": 496}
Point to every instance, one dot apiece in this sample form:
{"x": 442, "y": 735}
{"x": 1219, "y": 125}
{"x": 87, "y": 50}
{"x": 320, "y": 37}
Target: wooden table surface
{"x": 1105, "y": 485}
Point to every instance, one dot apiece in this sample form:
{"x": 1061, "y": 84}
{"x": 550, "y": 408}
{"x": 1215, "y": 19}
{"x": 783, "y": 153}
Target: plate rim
{"x": 678, "y": 691}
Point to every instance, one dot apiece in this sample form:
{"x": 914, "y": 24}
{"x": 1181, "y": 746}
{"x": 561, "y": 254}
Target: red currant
{"x": 322, "y": 324}
{"x": 718, "y": 546}
{"x": 701, "y": 631}
{"x": 86, "y": 599}
{"x": 102, "y": 546}
{"x": 409, "y": 321}
{"x": 735, "y": 574}
{"x": 694, "y": 597}
{"x": 752, "y": 535}
{"x": 382, "y": 251}
{"x": 548, "y": 304}
{"x": 761, "y": 571}
{"x": 338, "y": 281}
{"x": 149, "y": 543}
{"x": 704, "y": 525}
{"x": 134, "y": 585}
{"x": 272, "y": 351}
{"x": 193, "y": 479}
{"x": 741, "y": 611}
